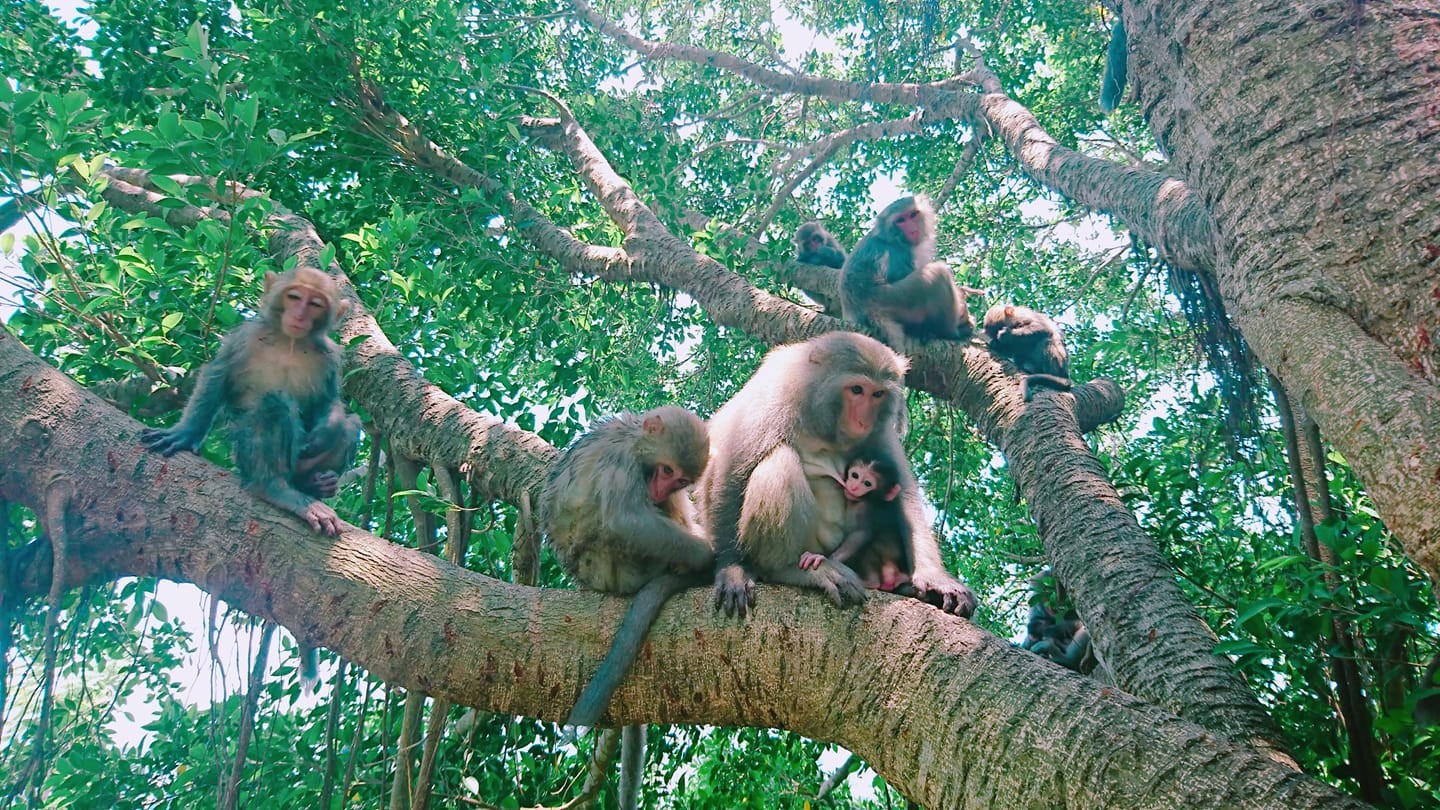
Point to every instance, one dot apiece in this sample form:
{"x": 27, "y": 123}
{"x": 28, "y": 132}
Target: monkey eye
{"x": 879, "y": 394}
{"x": 683, "y": 482}
{"x": 666, "y": 470}
{"x": 857, "y": 389}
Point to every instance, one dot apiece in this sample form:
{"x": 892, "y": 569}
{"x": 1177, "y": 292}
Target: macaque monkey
{"x": 1059, "y": 638}
{"x": 815, "y": 245}
{"x": 769, "y": 494}
{"x": 891, "y": 283}
{"x": 1117, "y": 68}
{"x": 616, "y": 514}
{"x": 1055, "y": 631}
{"x": 877, "y": 535}
{"x": 277, "y": 377}
{"x": 1032, "y": 342}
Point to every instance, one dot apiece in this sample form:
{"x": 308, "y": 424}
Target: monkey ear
{"x": 1009, "y": 311}
{"x": 340, "y": 310}
{"x": 270, "y": 279}
{"x": 894, "y": 491}
{"x": 654, "y": 425}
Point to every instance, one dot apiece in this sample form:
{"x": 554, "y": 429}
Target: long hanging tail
{"x": 632, "y": 766}
{"x": 1117, "y": 68}
{"x": 624, "y": 648}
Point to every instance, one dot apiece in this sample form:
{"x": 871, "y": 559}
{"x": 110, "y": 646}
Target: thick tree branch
{"x": 907, "y": 684}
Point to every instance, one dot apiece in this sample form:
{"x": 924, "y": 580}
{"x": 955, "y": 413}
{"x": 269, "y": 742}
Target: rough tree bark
{"x": 1326, "y": 212}
{"x": 912, "y": 690}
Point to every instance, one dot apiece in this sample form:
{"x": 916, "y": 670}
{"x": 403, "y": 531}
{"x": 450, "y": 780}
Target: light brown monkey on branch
{"x": 616, "y": 514}
{"x": 277, "y": 377}
{"x": 891, "y": 283}
{"x": 768, "y": 495}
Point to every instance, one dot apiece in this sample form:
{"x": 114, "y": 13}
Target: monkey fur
{"x": 891, "y": 283}
{"x": 1055, "y": 631}
{"x": 1061, "y": 638}
{"x": 277, "y": 378}
{"x": 616, "y": 514}
{"x": 1117, "y": 68}
{"x": 1033, "y": 342}
{"x": 815, "y": 245}
{"x": 877, "y": 535}
{"x": 769, "y": 496}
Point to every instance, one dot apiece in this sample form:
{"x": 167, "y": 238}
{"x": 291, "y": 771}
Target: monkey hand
{"x": 810, "y": 561}
{"x": 840, "y": 584}
{"x": 945, "y": 592}
{"x": 321, "y": 518}
{"x": 734, "y": 590}
{"x": 322, "y": 484}
{"x": 169, "y": 442}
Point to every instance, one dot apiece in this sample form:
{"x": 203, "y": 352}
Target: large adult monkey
{"x": 277, "y": 376}
{"x": 769, "y": 494}
{"x": 890, "y": 281}
{"x": 615, "y": 512}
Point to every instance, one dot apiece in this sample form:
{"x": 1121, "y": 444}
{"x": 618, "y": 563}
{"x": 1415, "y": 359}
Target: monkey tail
{"x": 309, "y": 669}
{"x": 632, "y": 765}
{"x": 1117, "y": 68}
{"x": 1046, "y": 380}
{"x": 625, "y": 646}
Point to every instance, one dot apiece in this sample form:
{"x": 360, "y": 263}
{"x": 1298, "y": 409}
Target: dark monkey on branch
{"x": 769, "y": 494}
{"x": 877, "y": 535}
{"x": 1032, "y": 341}
{"x": 1055, "y": 631}
{"x": 615, "y": 512}
{"x": 277, "y": 377}
{"x": 891, "y": 283}
{"x": 815, "y": 245}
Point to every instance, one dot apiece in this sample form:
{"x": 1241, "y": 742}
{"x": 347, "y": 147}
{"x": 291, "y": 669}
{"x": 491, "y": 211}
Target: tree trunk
{"x": 1326, "y": 205}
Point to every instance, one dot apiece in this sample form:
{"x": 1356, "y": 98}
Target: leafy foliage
{"x": 263, "y": 94}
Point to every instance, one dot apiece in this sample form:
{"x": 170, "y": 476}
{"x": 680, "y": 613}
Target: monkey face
{"x": 666, "y": 480}
{"x": 860, "y": 480}
{"x": 911, "y": 224}
{"x": 302, "y": 310}
{"x": 864, "y": 402}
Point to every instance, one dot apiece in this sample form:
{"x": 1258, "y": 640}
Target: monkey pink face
{"x": 860, "y": 480}
{"x": 666, "y": 480}
{"x": 911, "y": 224}
{"x": 302, "y": 310}
{"x": 863, "y": 404}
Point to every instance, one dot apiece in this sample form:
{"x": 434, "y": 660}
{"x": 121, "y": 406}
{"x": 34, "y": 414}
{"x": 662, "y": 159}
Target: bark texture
{"x": 1326, "y": 205}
